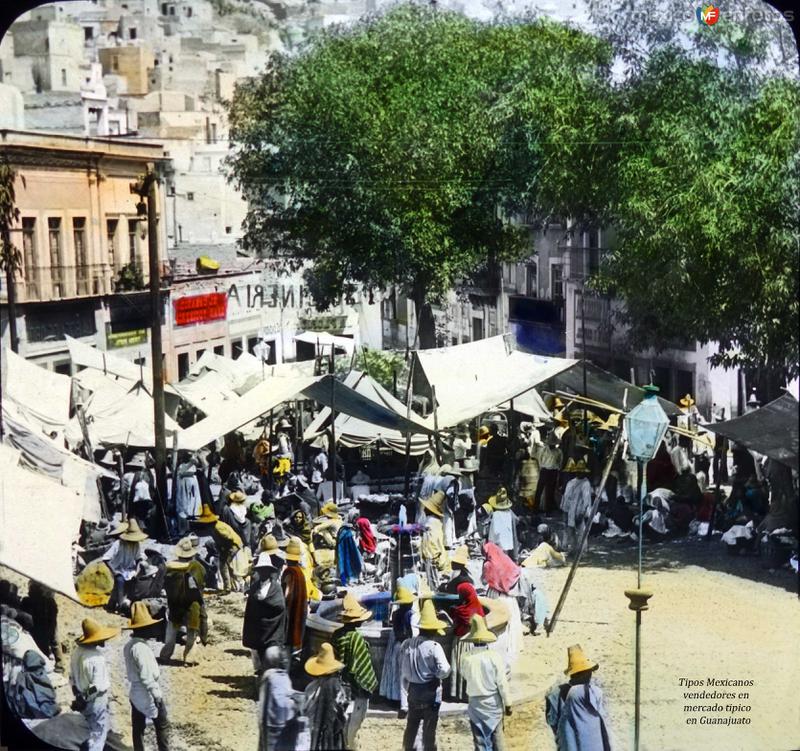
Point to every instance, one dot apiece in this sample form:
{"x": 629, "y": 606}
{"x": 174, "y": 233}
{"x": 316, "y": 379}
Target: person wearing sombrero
{"x": 576, "y": 711}
{"x": 146, "y": 697}
{"x": 359, "y": 676}
{"x": 91, "y": 681}
{"x": 458, "y": 563}
{"x": 183, "y": 583}
{"x": 550, "y": 458}
{"x": 228, "y": 544}
{"x": 424, "y": 666}
{"x": 295, "y": 592}
{"x": 432, "y": 549}
{"x": 126, "y": 558}
{"x": 265, "y": 612}
{"x": 402, "y": 621}
{"x": 484, "y": 673}
{"x": 576, "y": 503}
{"x": 503, "y": 524}
{"x": 326, "y": 701}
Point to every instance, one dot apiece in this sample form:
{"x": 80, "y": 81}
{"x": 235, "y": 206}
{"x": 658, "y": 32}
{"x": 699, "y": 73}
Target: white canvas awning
{"x": 325, "y": 341}
{"x": 39, "y": 519}
{"x": 41, "y": 395}
{"x": 474, "y": 378}
{"x": 353, "y": 432}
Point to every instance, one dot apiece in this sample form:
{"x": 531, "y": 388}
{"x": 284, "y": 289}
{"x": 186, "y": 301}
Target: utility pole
{"x": 147, "y": 189}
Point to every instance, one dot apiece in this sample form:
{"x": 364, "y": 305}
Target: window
{"x": 63, "y": 76}
{"x": 183, "y": 365}
{"x": 172, "y": 13}
{"x": 198, "y": 354}
{"x": 111, "y": 236}
{"x": 531, "y": 289}
{"x": 54, "y": 240}
{"x": 190, "y": 196}
{"x": 62, "y": 367}
{"x": 79, "y": 240}
{"x": 88, "y": 33}
{"x": 131, "y": 33}
{"x": 477, "y": 329}
{"x": 220, "y": 350}
{"x": 189, "y": 11}
{"x": 236, "y": 349}
{"x": 163, "y": 9}
{"x": 29, "y": 254}
{"x": 556, "y": 281}
{"x": 133, "y": 226}
{"x": 228, "y": 229}
{"x": 684, "y": 383}
{"x": 115, "y": 62}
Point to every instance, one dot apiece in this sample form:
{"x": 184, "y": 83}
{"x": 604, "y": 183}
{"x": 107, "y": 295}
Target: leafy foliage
{"x": 10, "y": 256}
{"x": 706, "y": 211}
{"x": 383, "y": 151}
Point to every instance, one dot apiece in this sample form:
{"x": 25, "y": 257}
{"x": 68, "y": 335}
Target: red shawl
{"x": 366, "y": 537}
{"x": 470, "y": 605}
{"x": 499, "y": 571}
{"x": 294, "y": 590}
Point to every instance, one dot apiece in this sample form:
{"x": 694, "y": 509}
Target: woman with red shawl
{"x": 469, "y": 605}
{"x": 366, "y": 537}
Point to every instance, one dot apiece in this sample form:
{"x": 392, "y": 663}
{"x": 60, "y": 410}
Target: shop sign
{"x": 212, "y": 306}
{"x": 126, "y": 338}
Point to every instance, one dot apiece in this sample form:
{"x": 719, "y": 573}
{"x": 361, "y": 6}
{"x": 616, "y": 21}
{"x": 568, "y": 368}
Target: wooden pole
{"x": 270, "y": 479}
{"x": 437, "y": 438}
{"x": 513, "y": 445}
{"x": 407, "y": 479}
{"x": 606, "y": 470}
{"x": 333, "y": 436}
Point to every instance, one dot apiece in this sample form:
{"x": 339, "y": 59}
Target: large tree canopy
{"x": 384, "y": 152}
{"x": 706, "y": 210}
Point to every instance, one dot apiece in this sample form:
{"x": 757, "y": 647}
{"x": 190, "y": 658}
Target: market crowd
{"x": 364, "y": 582}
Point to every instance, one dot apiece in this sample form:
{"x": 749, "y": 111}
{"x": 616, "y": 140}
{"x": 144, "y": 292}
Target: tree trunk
{"x": 426, "y": 327}
{"x": 11, "y": 290}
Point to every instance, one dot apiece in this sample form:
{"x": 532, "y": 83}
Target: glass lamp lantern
{"x": 646, "y": 424}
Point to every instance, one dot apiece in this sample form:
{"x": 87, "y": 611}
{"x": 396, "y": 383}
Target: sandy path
{"x": 703, "y": 623}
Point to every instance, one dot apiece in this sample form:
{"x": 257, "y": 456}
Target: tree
{"x": 390, "y": 152}
{"x": 706, "y": 211}
{"x": 10, "y": 257}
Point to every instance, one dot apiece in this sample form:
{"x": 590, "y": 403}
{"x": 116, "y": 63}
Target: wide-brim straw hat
{"x": 469, "y": 465}
{"x": 237, "y": 497}
{"x": 577, "y": 661}
{"x": 269, "y": 544}
{"x": 177, "y": 565}
{"x": 133, "y": 533}
{"x": 612, "y": 423}
{"x": 108, "y": 459}
{"x": 137, "y": 460}
{"x": 500, "y": 501}
{"x": 428, "y": 619}
{"x": 435, "y": 504}
{"x": 353, "y": 611}
{"x": 447, "y": 469}
{"x": 94, "y": 633}
{"x": 331, "y": 510}
{"x": 283, "y": 423}
{"x": 687, "y": 401}
{"x": 141, "y": 617}
{"x": 185, "y": 549}
{"x": 294, "y": 550}
{"x": 117, "y": 529}
{"x": 207, "y": 517}
{"x": 574, "y": 467}
{"x": 461, "y": 555}
{"x": 324, "y": 662}
{"x": 479, "y": 632}
{"x": 264, "y": 560}
{"x": 403, "y": 596}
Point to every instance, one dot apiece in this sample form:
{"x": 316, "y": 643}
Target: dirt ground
{"x": 712, "y": 617}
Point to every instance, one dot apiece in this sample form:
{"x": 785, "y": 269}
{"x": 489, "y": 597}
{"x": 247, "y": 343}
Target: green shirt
{"x": 351, "y": 649}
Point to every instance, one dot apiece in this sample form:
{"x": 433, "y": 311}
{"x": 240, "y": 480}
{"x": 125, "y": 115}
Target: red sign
{"x": 201, "y": 308}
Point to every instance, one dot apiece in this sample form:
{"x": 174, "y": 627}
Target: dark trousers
{"x": 546, "y": 490}
{"x": 160, "y": 723}
{"x": 422, "y": 709}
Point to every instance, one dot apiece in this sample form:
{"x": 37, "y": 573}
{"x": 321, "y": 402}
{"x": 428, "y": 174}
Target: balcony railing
{"x": 43, "y": 283}
{"x": 581, "y": 262}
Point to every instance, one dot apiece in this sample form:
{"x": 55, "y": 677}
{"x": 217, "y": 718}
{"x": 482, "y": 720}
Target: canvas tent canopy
{"x": 40, "y": 551}
{"x": 771, "y": 430}
{"x": 606, "y": 388}
{"x": 41, "y": 396}
{"x": 474, "y": 378}
{"x": 354, "y": 432}
{"x": 274, "y": 391}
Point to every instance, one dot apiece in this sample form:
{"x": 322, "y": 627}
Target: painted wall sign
{"x": 119, "y": 339}
{"x": 212, "y": 306}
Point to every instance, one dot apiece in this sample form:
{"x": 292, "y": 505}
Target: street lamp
{"x": 645, "y": 425}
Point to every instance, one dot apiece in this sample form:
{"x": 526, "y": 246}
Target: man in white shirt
{"x": 423, "y": 665}
{"x": 484, "y": 671}
{"x": 141, "y": 667}
{"x": 90, "y": 681}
